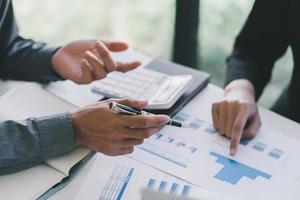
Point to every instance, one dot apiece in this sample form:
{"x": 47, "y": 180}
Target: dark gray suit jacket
{"x": 272, "y": 27}
{"x": 26, "y": 143}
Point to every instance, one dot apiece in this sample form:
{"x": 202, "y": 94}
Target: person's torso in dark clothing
{"x": 272, "y": 27}
{"x": 8, "y": 28}
{"x": 22, "y": 59}
{"x": 289, "y": 102}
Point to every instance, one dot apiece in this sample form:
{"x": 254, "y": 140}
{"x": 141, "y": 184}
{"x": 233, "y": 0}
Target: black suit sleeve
{"x": 22, "y": 59}
{"x": 260, "y": 43}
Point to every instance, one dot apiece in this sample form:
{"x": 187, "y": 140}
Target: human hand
{"x": 86, "y": 60}
{"x": 100, "y": 129}
{"x": 237, "y": 116}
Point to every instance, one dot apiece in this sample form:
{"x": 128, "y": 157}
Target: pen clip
{"x": 114, "y": 107}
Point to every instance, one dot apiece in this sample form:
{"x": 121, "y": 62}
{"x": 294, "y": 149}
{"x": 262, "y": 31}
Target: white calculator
{"x": 161, "y": 90}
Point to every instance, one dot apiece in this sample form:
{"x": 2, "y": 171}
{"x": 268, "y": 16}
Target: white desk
{"x": 210, "y": 94}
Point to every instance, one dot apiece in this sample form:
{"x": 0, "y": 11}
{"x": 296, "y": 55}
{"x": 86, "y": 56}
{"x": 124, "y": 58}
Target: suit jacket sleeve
{"x": 262, "y": 40}
{"x": 26, "y": 143}
{"x": 22, "y": 59}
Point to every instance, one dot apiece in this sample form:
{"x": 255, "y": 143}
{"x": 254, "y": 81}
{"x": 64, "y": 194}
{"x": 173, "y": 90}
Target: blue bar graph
{"x": 196, "y": 124}
{"x": 182, "y": 117}
{"x": 171, "y": 140}
{"x": 211, "y": 130}
{"x": 174, "y": 188}
{"x": 170, "y": 149}
{"x": 244, "y": 142}
{"x": 117, "y": 183}
{"x": 233, "y": 171}
{"x": 164, "y": 155}
{"x": 151, "y": 183}
{"x": 186, "y": 190}
{"x": 259, "y": 146}
{"x": 275, "y": 153}
{"x": 163, "y": 186}
{"x": 180, "y": 144}
{"x": 158, "y": 136}
{"x": 194, "y": 149}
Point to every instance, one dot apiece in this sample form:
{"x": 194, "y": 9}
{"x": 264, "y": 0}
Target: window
{"x": 148, "y": 27}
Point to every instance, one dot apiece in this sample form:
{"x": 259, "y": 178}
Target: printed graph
{"x": 261, "y": 147}
{"x": 169, "y": 187}
{"x": 117, "y": 183}
{"x": 233, "y": 171}
{"x": 275, "y": 153}
{"x": 173, "y": 150}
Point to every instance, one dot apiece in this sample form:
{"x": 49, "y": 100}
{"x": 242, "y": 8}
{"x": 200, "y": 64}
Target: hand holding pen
{"x": 124, "y": 109}
{"x": 99, "y": 129}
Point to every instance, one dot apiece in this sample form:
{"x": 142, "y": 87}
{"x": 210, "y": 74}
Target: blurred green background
{"x": 148, "y": 27}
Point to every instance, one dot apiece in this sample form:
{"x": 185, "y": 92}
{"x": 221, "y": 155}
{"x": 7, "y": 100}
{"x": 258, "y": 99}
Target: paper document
{"x": 264, "y": 167}
{"x": 28, "y": 184}
{"x": 78, "y": 95}
{"x": 29, "y": 100}
{"x": 115, "y": 178}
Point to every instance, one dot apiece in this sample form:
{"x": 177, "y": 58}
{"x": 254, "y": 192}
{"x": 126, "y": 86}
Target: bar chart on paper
{"x": 117, "y": 183}
{"x": 233, "y": 171}
{"x": 262, "y": 163}
{"x": 163, "y": 147}
{"x": 169, "y": 187}
{"x": 125, "y": 178}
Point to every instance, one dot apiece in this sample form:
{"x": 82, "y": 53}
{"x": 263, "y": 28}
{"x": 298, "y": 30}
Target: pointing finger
{"x": 237, "y": 131}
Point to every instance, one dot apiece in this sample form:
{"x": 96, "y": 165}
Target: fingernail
{"x": 232, "y": 151}
{"x": 136, "y": 62}
{"x": 164, "y": 118}
{"x": 143, "y": 101}
{"x": 97, "y": 44}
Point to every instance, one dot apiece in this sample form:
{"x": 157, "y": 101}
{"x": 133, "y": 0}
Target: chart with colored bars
{"x": 233, "y": 171}
{"x": 169, "y": 187}
{"x": 196, "y": 124}
{"x": 117, "y": 183}
{"x": 163, "y": 147}
{"x": 271, "y": 152}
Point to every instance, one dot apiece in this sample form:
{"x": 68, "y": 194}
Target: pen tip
{"x": 185, "y": 126}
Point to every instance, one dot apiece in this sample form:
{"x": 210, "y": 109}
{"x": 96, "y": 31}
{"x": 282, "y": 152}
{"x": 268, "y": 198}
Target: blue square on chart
{"x": 182, "y": 117}
{"x": 275, "y": 153}
{"x": 196, "y": 123}
{"x": 210, "y": 129}
{"x": 259, "y": 146}
{"x": 244, "y": 142}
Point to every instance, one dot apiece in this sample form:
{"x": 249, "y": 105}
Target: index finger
{"x": 146, "y": 121}
{"x": 124, "y": 67}
{"x": 116, "y": 46}
{"x": 237, "y": 131}
{"x": 109, "y": 64}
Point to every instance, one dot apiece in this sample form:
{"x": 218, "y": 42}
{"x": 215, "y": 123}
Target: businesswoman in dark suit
{"x": 272, "y": 27}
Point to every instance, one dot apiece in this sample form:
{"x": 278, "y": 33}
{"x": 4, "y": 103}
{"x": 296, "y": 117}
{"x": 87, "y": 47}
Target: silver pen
{"x": 123, "y": 109}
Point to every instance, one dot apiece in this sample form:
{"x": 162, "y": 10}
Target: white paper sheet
{"x": 30, "y": 100}
{"x": 64, "y": 163}
{"x": 264, "y": 168}
{"x": 78, "y": 95}
{"x": 114, "y": 178}
{"x": 28, "y": 184}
